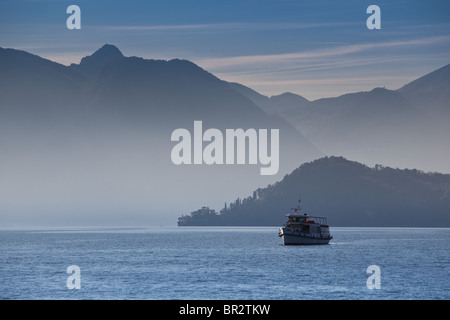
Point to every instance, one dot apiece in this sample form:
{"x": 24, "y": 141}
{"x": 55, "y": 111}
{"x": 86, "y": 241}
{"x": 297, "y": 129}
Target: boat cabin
{"x": 305, "y": 219}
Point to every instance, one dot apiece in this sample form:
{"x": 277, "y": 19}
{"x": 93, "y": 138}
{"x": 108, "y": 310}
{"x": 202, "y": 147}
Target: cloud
{"x": 336, "y": 69}
{"x": 237, "y": 26}
{"x": 228, "y": 62}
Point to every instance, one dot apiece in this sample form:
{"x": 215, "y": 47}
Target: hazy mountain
{"x": 286, "y": 101}
{"x": 405, "y": 128}
{"x": 90, "y": 143}
{"x": 92, "y": 65}
{"x": 93, "y": 140}
{"x": 431, "y": 92}
{"x": 348, "y": 193}
{"x": 278, "y": 104}
{"x": 28, "y": 82}
{"x": 364, "y": 124}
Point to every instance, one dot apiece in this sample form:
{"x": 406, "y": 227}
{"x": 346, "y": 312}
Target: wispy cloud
{"x": 237, "y": 26}
{"x": 336, "y": 69}
{"x": 228, "y": 62}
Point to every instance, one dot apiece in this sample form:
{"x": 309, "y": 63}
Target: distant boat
{"x": 302, "y": 229}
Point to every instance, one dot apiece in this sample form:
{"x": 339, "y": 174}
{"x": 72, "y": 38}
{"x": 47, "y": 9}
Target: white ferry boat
{"x": 302, "y": 229}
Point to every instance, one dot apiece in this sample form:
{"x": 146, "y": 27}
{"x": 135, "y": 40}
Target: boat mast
{"x": 297, "y": 210}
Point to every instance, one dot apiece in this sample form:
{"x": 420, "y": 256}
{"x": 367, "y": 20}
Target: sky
{"x": 316, "y": 49}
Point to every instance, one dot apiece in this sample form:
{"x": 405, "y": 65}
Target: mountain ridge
{"x": 96, "y": 136}
{"x": 407, "y": 127}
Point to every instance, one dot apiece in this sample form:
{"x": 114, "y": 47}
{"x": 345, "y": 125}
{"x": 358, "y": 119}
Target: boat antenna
{"x": 298, "y": 206}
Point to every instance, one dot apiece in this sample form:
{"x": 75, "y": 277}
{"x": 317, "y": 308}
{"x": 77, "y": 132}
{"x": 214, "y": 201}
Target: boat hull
{"x": 302, "y": 239}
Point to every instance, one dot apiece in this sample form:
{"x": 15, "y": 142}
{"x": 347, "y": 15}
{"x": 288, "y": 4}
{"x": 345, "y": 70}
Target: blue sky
{"x": 313, "y": 48}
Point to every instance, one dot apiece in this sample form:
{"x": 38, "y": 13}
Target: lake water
{"x": 223, "y": 263}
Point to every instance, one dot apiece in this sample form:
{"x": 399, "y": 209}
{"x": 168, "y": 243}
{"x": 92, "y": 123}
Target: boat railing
{"x": 308, "y": 219}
